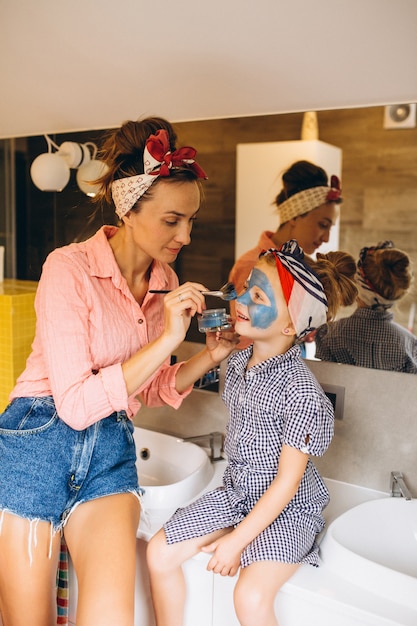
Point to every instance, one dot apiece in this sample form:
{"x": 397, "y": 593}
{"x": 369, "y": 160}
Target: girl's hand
{"x": 221, "y": 343}
{"x": 226, "y": 555}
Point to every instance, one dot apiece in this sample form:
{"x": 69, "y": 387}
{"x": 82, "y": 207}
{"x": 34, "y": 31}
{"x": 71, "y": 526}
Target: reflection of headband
{"x": 366, "y": 290}
{"x": 158, "y": 160}
{"x": 303, "y": 291}
{"x": 309, "y": 199}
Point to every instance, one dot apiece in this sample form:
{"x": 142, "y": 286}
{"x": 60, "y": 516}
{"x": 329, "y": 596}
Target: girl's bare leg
{"x": 166, "y": 575}
{"x": 28, "y": 566}
{"x": 101, "y": 540}
{"x": 256, "y": 589}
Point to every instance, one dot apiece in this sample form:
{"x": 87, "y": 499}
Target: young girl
{"x": 265, "y": 517}
{"x": 102, "y": 347}
{"x": 370, "y": 337}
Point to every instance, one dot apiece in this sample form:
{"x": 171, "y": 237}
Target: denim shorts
{"x": 47, "y": 468}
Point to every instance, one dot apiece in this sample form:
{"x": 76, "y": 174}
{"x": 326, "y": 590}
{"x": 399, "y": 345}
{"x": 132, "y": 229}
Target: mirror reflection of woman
{"x": 102, "y": 348}
{"x": 307, "y": 207}
{"x": 370, "y": 337}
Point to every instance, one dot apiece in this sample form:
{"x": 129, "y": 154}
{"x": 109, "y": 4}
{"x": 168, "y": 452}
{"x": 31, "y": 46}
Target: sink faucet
{"x": 398, "y": 487}
{"x": 214, "y": 440}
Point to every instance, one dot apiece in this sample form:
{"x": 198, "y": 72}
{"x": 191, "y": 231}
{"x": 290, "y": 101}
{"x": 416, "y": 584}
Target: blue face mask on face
{"x": 261, "y": 315}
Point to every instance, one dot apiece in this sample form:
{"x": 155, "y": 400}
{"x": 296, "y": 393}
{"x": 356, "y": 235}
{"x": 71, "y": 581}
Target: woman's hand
{"x": 180, "y": 306}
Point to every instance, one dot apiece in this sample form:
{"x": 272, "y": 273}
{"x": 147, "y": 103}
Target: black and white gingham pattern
{"x": 276, "y": 402}
{"x": 368, "y": 338}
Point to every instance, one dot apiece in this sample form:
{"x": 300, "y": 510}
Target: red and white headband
{"x": 158, "y": 160}
{"x": 309, "y": 199}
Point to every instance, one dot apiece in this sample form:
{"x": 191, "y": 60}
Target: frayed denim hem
{"x": 58, "y": 528}
{"x": 33, "y": 528}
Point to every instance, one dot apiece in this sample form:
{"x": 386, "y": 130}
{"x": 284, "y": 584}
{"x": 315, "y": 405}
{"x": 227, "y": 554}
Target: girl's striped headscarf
{"x": 303, "y": 291}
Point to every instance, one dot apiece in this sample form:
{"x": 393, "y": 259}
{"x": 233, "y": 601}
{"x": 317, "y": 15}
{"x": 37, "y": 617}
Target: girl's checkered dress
{"x": 274, "y": 403}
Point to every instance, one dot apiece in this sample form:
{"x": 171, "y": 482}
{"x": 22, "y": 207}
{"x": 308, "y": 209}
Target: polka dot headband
{"x": 309, "y": 199}
{"x": 158, "y": 160}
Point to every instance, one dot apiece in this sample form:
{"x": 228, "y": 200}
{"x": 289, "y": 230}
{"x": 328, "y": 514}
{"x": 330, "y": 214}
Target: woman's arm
{"x": 180, "y": 306}
{"x": 85, "y": 337}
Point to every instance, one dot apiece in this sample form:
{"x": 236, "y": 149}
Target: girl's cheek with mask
{"x": 261, "y": 315}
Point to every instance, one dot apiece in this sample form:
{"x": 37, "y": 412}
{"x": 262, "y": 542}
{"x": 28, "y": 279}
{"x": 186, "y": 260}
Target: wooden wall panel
{"x": 379, "y": 189}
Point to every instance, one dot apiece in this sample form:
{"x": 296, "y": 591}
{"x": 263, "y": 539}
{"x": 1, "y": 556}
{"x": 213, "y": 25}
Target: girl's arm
{"x": 227, "y": 549}
{"x": 218, "y": 347}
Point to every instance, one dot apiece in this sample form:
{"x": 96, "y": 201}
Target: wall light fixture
{"x": 51, "y": 171}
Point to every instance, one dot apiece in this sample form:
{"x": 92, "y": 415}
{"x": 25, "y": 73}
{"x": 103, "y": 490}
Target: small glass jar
{"x": 212, "y": 320}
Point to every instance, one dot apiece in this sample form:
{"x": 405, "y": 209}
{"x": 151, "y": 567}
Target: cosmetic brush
{"x": 227, "y": 292}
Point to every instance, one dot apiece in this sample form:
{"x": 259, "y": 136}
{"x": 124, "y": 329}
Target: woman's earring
{"x": 286, "y": 331}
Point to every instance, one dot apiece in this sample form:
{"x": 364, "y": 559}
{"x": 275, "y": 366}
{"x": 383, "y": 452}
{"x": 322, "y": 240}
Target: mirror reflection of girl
{"x": 102, "y": 348}
{"x": 265, "y": 517}
{"x": 370, "y": 337}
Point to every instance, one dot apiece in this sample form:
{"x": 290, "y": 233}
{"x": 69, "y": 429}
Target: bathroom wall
{"x": 376, "y": 435}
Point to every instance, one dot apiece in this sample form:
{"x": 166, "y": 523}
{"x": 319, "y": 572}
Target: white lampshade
{"x": 75, "y": 154}
{"x": 88, "y": 172}
{"x": 50, "y": 172}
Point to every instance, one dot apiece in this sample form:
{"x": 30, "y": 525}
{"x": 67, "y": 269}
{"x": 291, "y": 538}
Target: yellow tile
{"x": 17, "y": 330}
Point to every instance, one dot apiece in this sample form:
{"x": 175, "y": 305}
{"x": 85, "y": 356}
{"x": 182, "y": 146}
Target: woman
{"x": 265, "y": 518}
{"x": 102, "y": 348}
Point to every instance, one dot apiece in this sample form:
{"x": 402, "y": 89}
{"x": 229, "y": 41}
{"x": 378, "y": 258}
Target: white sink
{"x": 374, "y": 546}
{"x": 171, "y": 471}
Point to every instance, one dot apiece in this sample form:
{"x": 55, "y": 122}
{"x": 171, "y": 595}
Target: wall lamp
{"x": 51, "y": 171}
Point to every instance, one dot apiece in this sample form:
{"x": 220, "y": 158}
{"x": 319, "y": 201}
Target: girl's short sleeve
{"x": 309, "y": 422}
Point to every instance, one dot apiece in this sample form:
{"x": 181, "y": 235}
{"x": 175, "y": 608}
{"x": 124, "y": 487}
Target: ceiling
{"x": 91, "y": 64}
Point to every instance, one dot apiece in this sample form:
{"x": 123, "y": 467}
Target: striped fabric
{"x": 62, "y": 586}
{"x": 303, "y": 291}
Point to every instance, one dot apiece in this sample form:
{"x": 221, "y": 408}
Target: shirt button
{"x": 140, "y": 321}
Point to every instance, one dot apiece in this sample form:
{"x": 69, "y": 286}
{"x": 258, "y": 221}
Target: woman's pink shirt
{"x": 88, "y": 324}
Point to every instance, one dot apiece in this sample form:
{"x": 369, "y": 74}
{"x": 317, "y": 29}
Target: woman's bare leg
{"x": 101, "y": 540}
{"x": 28, "y": 566}
{"x": 256, "y": 589}
{"x": 166, "y": 575}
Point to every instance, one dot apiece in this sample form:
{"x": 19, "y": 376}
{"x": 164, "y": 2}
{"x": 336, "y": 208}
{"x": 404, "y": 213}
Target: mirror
{"x": 379, "y": 180}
